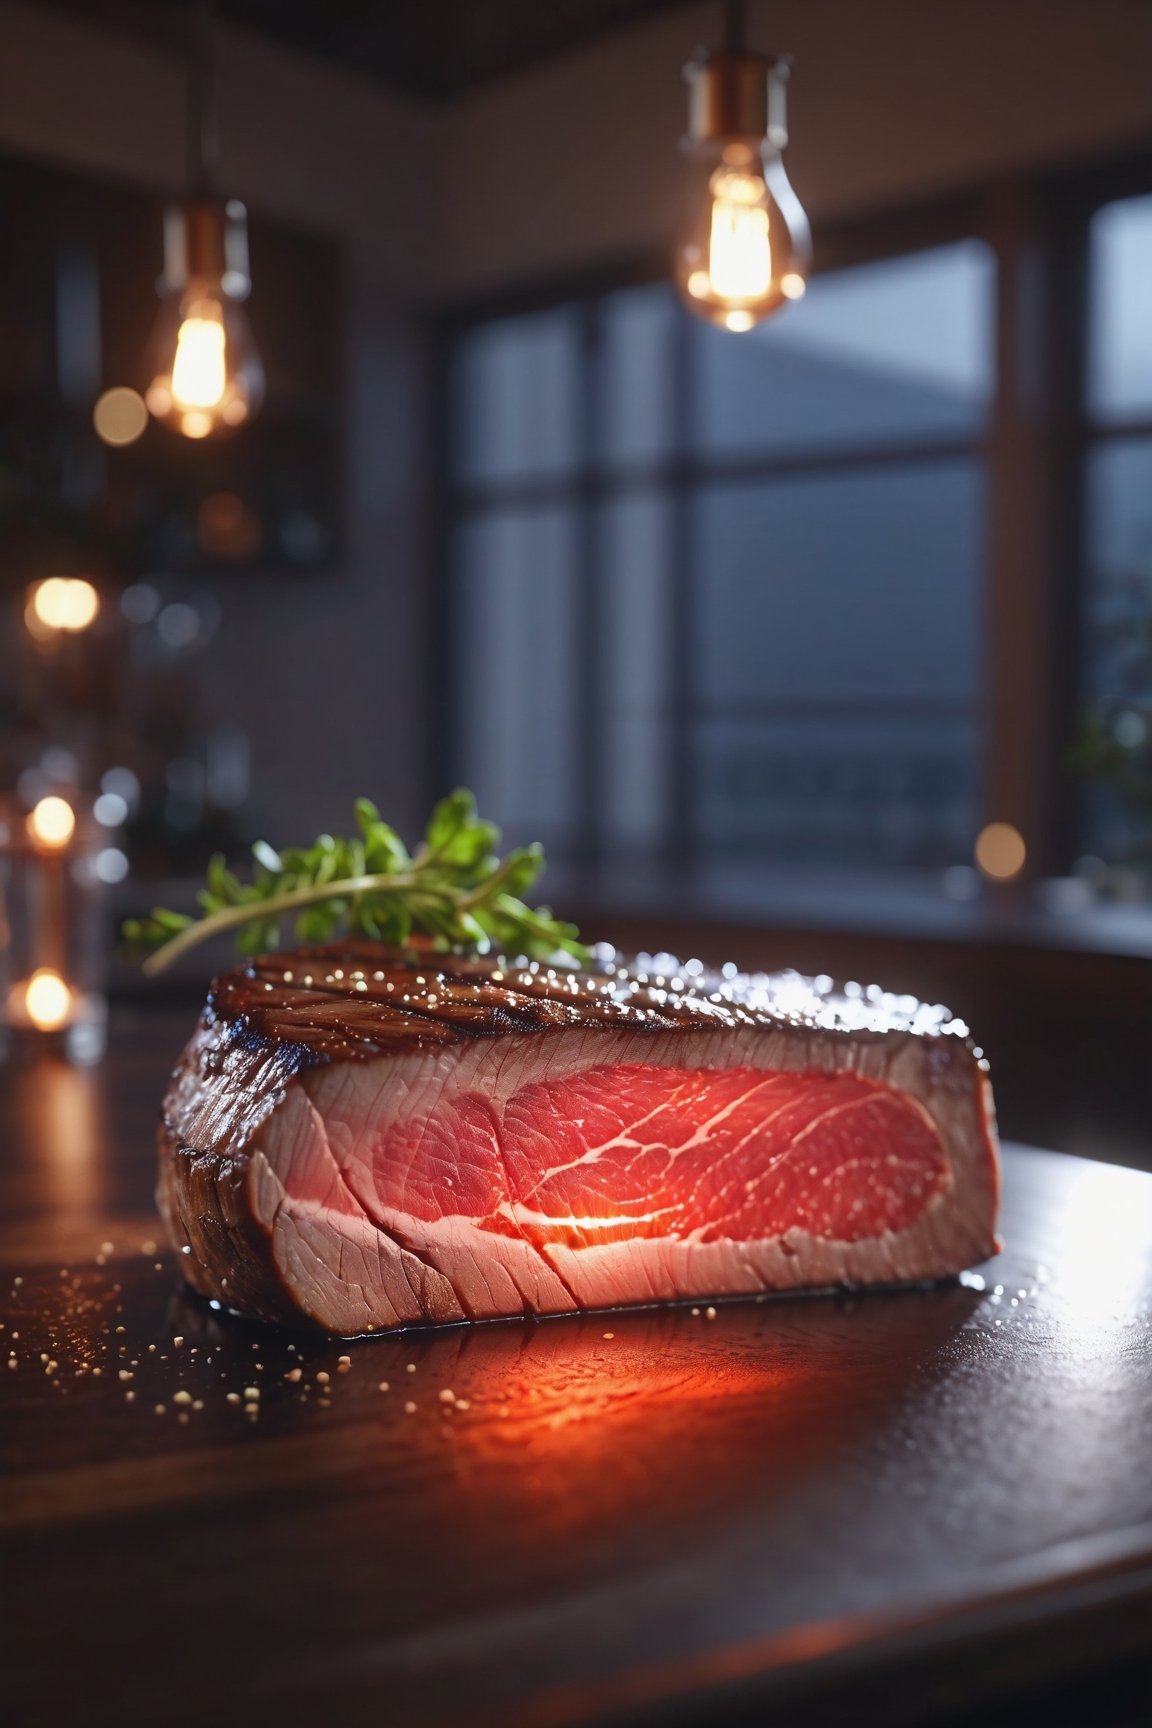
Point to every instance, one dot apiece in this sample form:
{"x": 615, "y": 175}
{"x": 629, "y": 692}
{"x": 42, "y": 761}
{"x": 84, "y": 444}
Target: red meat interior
{"x": 620, "y": 1152}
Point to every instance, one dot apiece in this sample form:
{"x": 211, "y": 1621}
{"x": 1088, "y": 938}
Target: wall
{"x": 339, "y": 664}
{"x": 547, "y": 171}
{"x": 893, "y": 100}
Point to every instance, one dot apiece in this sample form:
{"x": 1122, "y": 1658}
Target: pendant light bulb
{"x": 206, "y": 372}
{"x": 746, "y": 247}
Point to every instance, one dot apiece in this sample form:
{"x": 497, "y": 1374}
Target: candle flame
{"x": 48, "y": 1000}
{"x": 65, "y": 603}
{"x": 51, "y": 823}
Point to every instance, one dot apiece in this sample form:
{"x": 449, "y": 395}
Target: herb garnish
{"x": 454, "y": 888}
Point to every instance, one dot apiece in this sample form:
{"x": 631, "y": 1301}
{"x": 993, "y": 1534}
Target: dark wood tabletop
{"x": 892, "y": 1507}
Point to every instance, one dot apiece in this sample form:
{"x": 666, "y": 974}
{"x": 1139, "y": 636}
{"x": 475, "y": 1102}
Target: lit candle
{"x": 47, "y": 1000}
{"x": 51, "y": 824}
{"x": 50, "y": 958}
{"x": 51, "y": 827}
{"x": 60, "y": 605}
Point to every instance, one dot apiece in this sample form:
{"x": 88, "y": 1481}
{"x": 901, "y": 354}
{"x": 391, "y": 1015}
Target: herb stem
{"x": 453, "y": 892}
{"x": 231, "y": 916}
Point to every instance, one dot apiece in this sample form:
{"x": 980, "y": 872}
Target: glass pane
{"x": 838, "y": 619}
{"x": 827, "y": 586}
{"x": 516, "y": 671}
{"x": 879, "y": 352}
{"x": 896, "y": 788}
{"x": 636, "y": 372}
{"x": 516, "y": 398}
{"x": 636, "y": 649}
{"x": 1120, "y": 337}
{"x": 1117, "y": 728}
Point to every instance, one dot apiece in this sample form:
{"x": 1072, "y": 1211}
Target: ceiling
{"x": 437, "y": 49}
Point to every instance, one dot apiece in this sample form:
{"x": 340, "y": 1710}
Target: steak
{"x": 367, "y": 1142}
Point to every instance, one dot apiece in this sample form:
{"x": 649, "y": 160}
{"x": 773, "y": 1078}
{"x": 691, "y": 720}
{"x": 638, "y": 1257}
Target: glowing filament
{"x": 48, "y": 1000}
{"x": 199, "y": 371}
{"x": 740, "y": 251}
{"x": 51, "y": 823}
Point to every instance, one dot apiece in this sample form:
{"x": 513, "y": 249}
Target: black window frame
{"x": 1033, "y": 448}
{"x": 1072, "y": 200}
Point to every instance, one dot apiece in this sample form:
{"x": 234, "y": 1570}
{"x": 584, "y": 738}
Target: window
{"x": 723, "y": 593}
{"x": 1117, "y": 637}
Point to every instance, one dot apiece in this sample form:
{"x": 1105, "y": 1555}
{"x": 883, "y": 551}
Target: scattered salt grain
{"x": 409, "y": 1408}
{"x": 383, "y": 1386}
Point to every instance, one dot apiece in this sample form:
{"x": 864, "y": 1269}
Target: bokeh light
{"x": 48, "y": 1000}
{"x": 51, "y": 823}
{"x": 110, "y": 809}
{"x": 1000, "y": 851}
{"x": 227, "y": 528}
{"x": 111, "y": 864}
{"x": 120, "y": 416}
{"x": 67, "y": 603}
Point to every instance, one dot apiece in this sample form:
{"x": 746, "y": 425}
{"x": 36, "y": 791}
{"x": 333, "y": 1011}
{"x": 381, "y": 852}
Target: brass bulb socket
{"x": 206, "y": 240}
{"x": 736, "y": 95}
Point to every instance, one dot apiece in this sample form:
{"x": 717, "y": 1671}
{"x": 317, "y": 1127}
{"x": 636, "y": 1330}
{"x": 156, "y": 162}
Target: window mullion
{"x": 1023, "y": 600}
{"x": 589, "y": 572}
{"x": 682, "y": 827}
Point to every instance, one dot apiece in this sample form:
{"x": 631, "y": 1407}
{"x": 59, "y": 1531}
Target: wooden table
{"x": 881, "y": 1506}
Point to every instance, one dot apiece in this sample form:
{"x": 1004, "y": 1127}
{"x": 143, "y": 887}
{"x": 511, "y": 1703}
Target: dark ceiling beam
{"x": 435, "y": 51}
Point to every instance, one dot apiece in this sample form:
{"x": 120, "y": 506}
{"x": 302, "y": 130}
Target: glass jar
{"x": 53, "y": 941}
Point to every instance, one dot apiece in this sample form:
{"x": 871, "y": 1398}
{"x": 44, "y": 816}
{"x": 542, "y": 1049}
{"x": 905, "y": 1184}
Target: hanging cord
{"x": 203, "y": 131}
{"x": 736, "y": 26}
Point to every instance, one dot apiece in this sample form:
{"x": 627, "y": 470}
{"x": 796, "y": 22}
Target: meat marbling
{"x": 367, "y": 1142}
